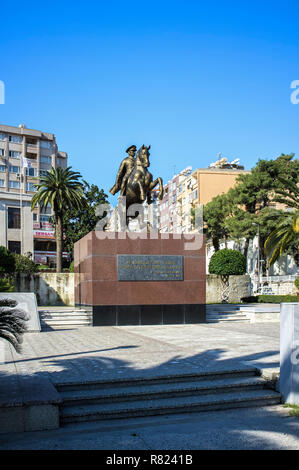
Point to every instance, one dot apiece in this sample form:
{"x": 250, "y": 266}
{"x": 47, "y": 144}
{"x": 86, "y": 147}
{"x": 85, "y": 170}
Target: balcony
{"x": 31, "y": 148}
{"x": 31, "y": 156}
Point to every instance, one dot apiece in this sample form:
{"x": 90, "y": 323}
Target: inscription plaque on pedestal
{"x": 150, "y": 268}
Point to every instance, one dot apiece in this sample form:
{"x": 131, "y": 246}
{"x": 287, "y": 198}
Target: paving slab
{"x": 264, "y": 428}
{"x": 89, "y": 354}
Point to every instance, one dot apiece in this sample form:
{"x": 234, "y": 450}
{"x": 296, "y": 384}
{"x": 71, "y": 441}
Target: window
{"x": 195, "y": 194}
{"x": 14, "y": 217}
{"x": 15, "y": 138}
{"x": 2, "y": 182}
{"x": 14, "y": 154}
{"x": 14, "y": 184}
{"x": 2, "y": 136}
{"x": 44, "y": 159}
{"x": 14, "y": 169}
{"x": 31, "y": 171}
{"x": 44, "y": 218}
{"x": 14, "y": 247}
{"x": 30, "y": 187}
{"x": 31, "y": 141}
{"x": 34, "y": 217}
{"x": 43, "y": 172}
{"x": 45, "y": 144}
{"x": 2, "y": 167}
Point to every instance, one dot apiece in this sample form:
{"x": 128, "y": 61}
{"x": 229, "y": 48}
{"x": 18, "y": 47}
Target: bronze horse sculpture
{"x": 139, "y": 184}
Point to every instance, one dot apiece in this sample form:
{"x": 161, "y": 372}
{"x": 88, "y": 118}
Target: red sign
{"x": 44, "y": 234}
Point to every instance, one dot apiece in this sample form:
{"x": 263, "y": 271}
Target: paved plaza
{"x": 88, "y": 354}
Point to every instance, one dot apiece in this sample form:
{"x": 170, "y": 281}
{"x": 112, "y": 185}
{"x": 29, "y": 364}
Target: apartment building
{"x": 26, "y": 154}
{"x": 190, "y": 189}
{"x": 173, "y": 213}
{"x": 212, "y": 182}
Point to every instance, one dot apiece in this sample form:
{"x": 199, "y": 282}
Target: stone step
{"x": 227, "y": 319}
{"x": 65, "y": 312}
{"x": 64, "y": 324}
{"x": 138, "y": 381}
{"x": 183, "y": 404}
{"x": 65, "y": 317}
{"x": 224, "y": 307}
{"x": 226, "y": 312}
{"x": 164, "y": 390}
{"x": 226, "y": 315}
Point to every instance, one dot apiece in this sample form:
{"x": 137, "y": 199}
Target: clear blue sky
{"x": 191, "y": 78}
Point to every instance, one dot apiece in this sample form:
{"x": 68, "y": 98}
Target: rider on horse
{"x": 124, "y": 171}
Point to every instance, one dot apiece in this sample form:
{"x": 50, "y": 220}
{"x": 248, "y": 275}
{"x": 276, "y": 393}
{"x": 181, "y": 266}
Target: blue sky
{"x": 191, "y": 78}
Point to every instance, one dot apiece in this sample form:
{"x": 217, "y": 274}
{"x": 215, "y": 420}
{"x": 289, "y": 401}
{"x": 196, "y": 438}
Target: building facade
{"x": 212, "y": 182}
{"x": 189, "y": 190}
{"x": 172, "y": 212}
{"x": 25, "y": 155}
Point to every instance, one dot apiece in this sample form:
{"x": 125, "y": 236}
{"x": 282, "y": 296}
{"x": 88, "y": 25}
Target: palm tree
{"x": 61, "y": 189}
{"x": 12, "y": 323}
{"x": 281, "y": 238}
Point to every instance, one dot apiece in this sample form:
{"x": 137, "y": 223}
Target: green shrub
{"x": 72, "y": 267}
{"x": 40, "y": 267}
{"x": 45, "y": 268}
{"x": 24, "y": 264}
{"x": 227, "y": 263}
{"x": 269, "y": 299}
{"x": 7, "y": 261}
{"x": 7, "y": 284}
{"x": 297, "y": 283}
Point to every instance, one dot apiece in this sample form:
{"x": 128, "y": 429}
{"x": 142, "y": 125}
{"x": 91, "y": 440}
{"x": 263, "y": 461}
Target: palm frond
{"x": 12, "y": 323}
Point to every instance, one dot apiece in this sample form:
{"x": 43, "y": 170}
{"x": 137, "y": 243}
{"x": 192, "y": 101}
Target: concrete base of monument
{"x": 133, "y": 279}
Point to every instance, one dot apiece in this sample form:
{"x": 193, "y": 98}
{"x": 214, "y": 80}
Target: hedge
{"x": 269, "y": 299}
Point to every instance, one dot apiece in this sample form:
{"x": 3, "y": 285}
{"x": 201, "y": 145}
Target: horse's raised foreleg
{"x": 154, "y": 184}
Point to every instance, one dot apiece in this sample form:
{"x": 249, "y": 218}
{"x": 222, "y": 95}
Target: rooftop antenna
{"x": 219, "y": 155}
{"x": 174, "y": 170}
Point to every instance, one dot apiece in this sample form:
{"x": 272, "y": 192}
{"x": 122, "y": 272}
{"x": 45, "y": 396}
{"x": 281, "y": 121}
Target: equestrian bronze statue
{"x": 133, "y": 179}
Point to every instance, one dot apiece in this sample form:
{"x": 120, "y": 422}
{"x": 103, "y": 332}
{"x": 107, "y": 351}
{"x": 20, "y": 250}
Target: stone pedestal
{"x": 289, "y": 353}
{"x": 133, "y": 279}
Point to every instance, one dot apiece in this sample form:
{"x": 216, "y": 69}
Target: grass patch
{"x": 294, "y": 409}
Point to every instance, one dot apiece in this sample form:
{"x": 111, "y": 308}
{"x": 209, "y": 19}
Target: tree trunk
{"x": 216, "y": 245}
{"x": 59, "y": 244}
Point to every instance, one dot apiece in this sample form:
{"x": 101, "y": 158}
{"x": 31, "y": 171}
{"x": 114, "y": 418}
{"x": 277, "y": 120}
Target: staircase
{"x": 64, "y": 317}
{"x": 226, "y": 313}
{"x": 205, "y": 391}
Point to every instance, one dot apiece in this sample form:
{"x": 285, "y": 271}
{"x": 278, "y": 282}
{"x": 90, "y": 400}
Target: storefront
{"x": 45, "y": 247}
